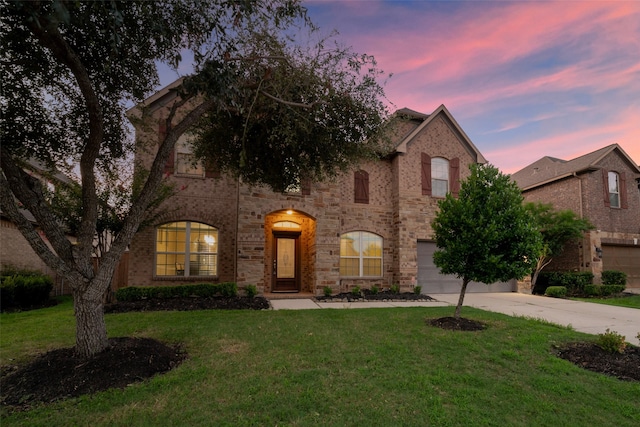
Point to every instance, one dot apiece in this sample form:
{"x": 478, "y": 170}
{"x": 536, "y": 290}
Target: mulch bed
{"x": 624, "y": 366}
{"x": 189, "y": 303}
{"x": 366, "y": 295}
{"x": 457, "y": 324}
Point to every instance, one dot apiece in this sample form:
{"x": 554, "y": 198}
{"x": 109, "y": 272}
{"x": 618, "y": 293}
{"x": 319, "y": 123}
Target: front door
{"x": 286, "y": 262}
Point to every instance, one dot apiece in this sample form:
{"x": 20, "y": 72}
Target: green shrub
{"x": 606, "y": 290}
{"x": 251, "y": 290}
{"x": 592, "y": 290}
{"x": 614, "y": 277}
{"x": 394, "y": 289}
{"x": 355, "y": 291}
{"x": 611, "y": 342}
{"x": 205, "y": 290}
{"x": 23, "y": 291}
{"x": 573, "y": 281}
{"x": 417, "y": 290}
{"x": 556, "y": 291}
{"x": 327, "y": 291}
{"x": 228, "y": 289}
{"x": 374, "y": 290}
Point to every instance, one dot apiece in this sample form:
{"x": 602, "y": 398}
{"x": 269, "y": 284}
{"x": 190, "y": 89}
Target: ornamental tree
{"x": 71, "y": 69}
{"x": 557, "y": 228}
{"x": 485, "y": 235}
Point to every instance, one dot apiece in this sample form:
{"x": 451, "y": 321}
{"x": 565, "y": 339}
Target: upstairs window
{"x": 186, "y": 162}
{"x": 439, "y": 177}
{"x": 360, "y": 254}
{"x": 186, "y": 248}
{"x": 614, "y": 190}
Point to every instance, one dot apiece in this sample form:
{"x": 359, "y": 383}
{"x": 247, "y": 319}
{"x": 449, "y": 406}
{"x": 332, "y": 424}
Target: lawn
{"x": 373, "y": 367}
{"x": 631, "y": 302}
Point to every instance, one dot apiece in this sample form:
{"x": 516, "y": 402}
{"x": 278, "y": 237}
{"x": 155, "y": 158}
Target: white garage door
{"x": 433, "y": 282}
{"x": 623, "y": 258}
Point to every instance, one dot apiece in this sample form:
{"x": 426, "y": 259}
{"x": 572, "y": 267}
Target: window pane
{"x": 372, "y": 267}
{"x": 614, "y": 199}
{"x": 349, "y": 267}
{"x": 348, "y": 245}
{"x": 172, "y": 249}
{"x": 439, "y": 187}
{"x": 439, "y": 168}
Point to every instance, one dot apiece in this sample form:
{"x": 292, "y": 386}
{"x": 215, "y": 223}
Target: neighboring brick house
{"x": 369, "y": 227}
{"x": 602, "y": 186}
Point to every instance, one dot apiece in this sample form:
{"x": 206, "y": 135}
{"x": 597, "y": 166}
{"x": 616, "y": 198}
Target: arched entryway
{"x": 290, "y": 251}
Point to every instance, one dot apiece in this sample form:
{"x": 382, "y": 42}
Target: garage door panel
{"x": 623, "y": 258}
{"x": 433, "y": 282}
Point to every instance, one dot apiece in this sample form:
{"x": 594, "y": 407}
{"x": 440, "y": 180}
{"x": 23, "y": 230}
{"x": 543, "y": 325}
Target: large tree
{"x": 485, "y": 235}
{"x": 557, "y": 228}
{"x": 71, "y": 68}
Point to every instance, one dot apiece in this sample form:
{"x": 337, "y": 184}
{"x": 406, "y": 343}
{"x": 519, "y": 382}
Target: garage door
{"x": 433, "y": 282}
{"x": 623, "y": 258}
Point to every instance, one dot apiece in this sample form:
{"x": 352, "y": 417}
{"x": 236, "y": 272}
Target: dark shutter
{"x": 425, "y": 170}
{"x": 605, "y": 187}
{"x": 454, "y": 176}
{"x": 305, "y": 186}
{"x": 162, "y": 133}
{"x": 361, "y": 181}
{"x": 623, "y": 191}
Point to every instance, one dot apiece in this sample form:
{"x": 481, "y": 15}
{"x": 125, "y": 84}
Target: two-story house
{"x": 602, "y": 186}
{"x": 369, "y": 227}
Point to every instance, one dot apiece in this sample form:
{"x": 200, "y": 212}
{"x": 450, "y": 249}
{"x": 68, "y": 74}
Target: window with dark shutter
{"x": 305, "y": 186}
{"x": 425, "y": 171}
{"x": 169, "y": 166}
{"x": 361, "y": 187}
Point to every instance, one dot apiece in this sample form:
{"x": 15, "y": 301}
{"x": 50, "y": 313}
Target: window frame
{"x": 361, "y": 257}
{"x": 184, "y": 157}
{"x": 613, "y": 178}
{"x": 188, "y": 253}
{"x": 440, "y": 172}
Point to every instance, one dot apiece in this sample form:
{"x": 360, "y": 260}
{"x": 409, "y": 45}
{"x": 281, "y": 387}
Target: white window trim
{"x": 434, "y": 179}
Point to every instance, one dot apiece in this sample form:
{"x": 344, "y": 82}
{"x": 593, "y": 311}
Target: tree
{"x": 485, "y": 235}
{"x": 557, "y": 229}
{"x": 71, "y": 68}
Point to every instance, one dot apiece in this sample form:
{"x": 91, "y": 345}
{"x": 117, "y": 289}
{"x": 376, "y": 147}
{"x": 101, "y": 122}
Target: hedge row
{"x": 613, "y": 277}
{"x": 579, "y": 284}
{"x": 574, "y": 282}
{"x": 134, "y": 293}
{"x": 24, "y": 291}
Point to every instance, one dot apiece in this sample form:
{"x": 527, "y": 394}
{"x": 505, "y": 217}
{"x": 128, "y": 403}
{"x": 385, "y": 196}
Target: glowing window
{"x": 186, "y": 248}
{"x": 360, "y": 254}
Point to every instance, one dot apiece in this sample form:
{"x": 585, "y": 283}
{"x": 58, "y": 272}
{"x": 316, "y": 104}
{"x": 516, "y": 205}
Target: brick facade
{"x": 245, "y": 216}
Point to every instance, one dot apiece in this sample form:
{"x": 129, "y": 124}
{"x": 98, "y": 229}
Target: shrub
{"x": 394, "y": 289}
{"x": 205, "y": 290}
{"x": 592, "y": 290}
{"x": 573, "y": 281}
{"x": 23, "y": 291}
{"x": 417, "y": 290}
{"x": 614, "y": 277}
{"x": 611, "y": 342}
{"x": 374, "y": 290}
{"x": 556, "y": 291}
{"x": 327, "y": 291}
{"x": 251, "y": 290}
{"x": 355, "y": 291}
{"x": 606, "y": 290}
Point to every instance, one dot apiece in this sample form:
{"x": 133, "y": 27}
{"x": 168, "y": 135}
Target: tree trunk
{"x": 91, "y": 329}
{"x": 465, "y": 282}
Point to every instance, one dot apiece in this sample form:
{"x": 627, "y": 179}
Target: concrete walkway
{"x": 585, "y": 317}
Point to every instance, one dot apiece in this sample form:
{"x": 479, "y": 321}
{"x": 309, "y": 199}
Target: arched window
{"x": 614, "y": 190}
{"x": 439, "y": 177}
{"x": 360, "y": 254}
{"x": 186, "y": 248}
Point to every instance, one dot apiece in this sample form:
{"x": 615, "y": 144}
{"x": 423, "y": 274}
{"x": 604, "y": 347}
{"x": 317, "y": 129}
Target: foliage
{"x": 327, "y": 291}
{"x": 556, "y": 291}
{"x": 394, "y": 289}
{"x": 557, "y": 229}
{"x": 614, "y": 277}
{"x": 417, "y": 290}
{"x": 205, "y": 290}
{"x": 251, "y": 290}
{"x": 374, "y": 289}
{"x": 71, "y": 68}
{"x": 575, "y": 282}
{"x": 24, "y": 290}
{"x": 611, "y": 341}
{"x": 355, "y": 291}
{"x": 485, "y": 235}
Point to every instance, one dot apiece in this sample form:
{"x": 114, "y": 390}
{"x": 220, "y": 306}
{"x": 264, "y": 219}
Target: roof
{"x": 550, "y": 169}
{"x": 426, "y": 120}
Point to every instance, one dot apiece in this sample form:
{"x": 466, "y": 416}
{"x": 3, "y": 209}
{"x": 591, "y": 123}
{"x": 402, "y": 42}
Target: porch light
{"x": 289, "y": 212}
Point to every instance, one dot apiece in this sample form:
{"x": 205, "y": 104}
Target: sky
{"x": 524, "y": 79}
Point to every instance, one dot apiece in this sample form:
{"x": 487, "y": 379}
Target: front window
{"x": 186, "y": 248}
{"x": 186, "y": 162}
{"x": 360, "y": 254}
{"x": 614, "y": 190}
{"x": 439, "y": 177}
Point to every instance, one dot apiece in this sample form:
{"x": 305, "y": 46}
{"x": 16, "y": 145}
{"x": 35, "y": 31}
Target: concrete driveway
{"x": 586, "y": 317}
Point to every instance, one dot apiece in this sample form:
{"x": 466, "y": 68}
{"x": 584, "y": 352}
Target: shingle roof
{"x": 549, "y": 169}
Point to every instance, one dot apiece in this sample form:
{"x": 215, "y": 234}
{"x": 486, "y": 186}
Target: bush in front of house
{"x": 556, "y": 291}
{"x": 614, "y": 277}
{"x": 574, "y": 282}
{"x": 205, "y": 290}
{"x": 24, "y": 290}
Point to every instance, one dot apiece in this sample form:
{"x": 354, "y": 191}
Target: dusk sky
{"x": 524, "y": 79}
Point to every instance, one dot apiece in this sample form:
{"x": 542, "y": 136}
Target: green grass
{"x": 374, "y": 367}
{"x": 631, "y": 302}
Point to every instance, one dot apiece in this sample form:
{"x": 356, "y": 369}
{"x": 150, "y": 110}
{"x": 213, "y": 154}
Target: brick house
{"x": 602, "y": 186}
{"x": 369, "y": 227}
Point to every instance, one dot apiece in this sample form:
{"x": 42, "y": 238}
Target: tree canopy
{"x": 258, "y": 97}
{"x": 485, "y": 235}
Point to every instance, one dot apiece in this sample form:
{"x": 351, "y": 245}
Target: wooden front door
{"x": 286, "y": 262}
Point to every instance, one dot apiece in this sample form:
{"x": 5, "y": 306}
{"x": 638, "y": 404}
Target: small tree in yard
{"x": 557, "y": 229}
{"x": 71, "y": 69}
{"x": 485, "y": 235}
